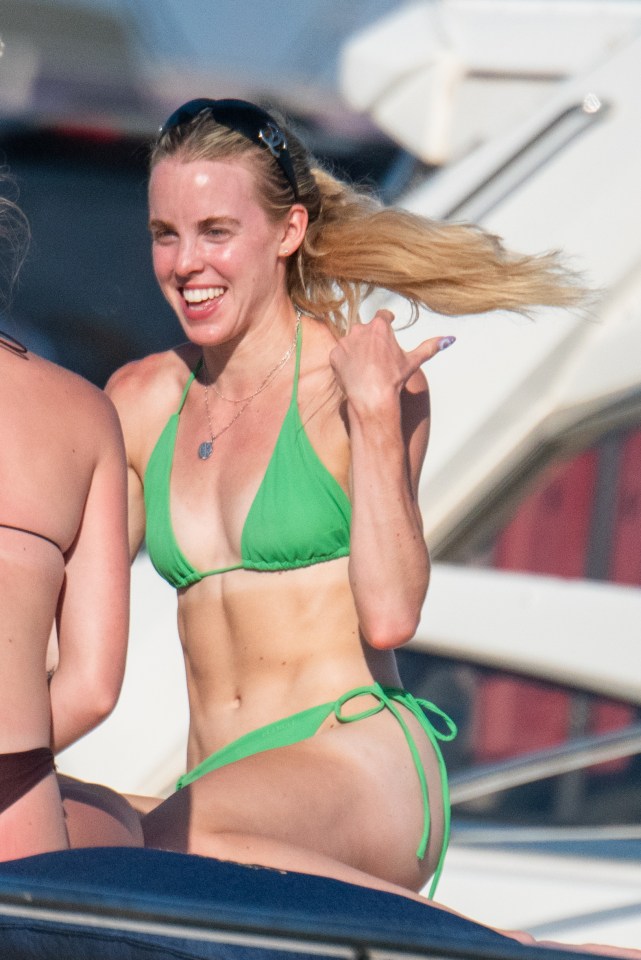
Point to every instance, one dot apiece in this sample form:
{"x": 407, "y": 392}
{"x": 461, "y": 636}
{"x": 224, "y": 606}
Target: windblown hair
{"x": 355, "y": 245}
{"x": 14, "y": 237}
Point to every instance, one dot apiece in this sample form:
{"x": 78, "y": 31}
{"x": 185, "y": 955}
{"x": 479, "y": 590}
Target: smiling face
{"x": 219, "y": 261}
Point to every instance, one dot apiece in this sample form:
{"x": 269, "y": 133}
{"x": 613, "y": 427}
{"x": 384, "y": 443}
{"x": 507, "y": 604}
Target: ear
{"x": 294, "y": 227}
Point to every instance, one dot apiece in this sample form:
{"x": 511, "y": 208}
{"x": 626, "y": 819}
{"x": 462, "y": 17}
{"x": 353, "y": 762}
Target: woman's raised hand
{"x": 369, "y": 364}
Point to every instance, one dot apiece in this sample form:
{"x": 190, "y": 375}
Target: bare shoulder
{"x": 71, "y": 393}
{"x": 154, "y": 381}
{"x": 417, "y": 383}
{"x": 317, "y": 387}
{"x": 415, "y": 413}
{"x": 146, "y": 393}
{"x": 318, "y": 343}
{"x": 416, "y": 394}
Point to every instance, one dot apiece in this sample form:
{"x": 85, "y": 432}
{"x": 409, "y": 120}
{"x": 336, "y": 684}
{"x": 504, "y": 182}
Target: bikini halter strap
{"x": 192, "y": 376}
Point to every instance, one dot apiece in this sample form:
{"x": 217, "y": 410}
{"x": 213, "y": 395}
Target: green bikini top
{"x": 300, "y": 515}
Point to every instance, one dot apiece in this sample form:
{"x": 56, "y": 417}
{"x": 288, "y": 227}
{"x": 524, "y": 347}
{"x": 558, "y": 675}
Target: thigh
{"x": 97, "y": 816}
{"x": 350, "y": 794}
{"x": 34, "y": 824}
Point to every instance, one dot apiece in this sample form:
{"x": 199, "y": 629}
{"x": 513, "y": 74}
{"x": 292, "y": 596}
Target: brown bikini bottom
{"x": 20, "y": 772}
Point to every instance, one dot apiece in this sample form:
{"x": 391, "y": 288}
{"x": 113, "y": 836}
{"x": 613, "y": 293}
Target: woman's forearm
{"x": 389, "y": 561}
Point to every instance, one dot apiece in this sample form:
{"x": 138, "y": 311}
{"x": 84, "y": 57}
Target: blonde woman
{"x": 274, "y": 463}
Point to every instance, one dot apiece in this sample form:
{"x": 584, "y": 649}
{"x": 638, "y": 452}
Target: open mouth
{"x": 199, "y": 297}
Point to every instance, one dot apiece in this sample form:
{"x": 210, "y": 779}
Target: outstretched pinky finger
{"x": 429, "y": 348}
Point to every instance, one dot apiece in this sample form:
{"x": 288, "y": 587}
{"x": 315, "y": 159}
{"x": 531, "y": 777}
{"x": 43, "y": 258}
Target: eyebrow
{"x": 203, "y": 225}
{"x": 217, "y": 222}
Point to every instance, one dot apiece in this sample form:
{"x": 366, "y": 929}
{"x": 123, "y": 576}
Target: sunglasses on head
{"x": 245, "y": 118}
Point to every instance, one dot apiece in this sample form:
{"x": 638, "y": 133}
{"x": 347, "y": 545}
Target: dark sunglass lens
{"x": 186, "y": 112}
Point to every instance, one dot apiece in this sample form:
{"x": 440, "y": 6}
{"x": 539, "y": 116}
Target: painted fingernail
{"x": 446, "y": 342}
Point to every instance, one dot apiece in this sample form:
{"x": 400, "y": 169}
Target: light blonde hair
{"x": 14, "y": 237}
{"x": 354, "y": 245}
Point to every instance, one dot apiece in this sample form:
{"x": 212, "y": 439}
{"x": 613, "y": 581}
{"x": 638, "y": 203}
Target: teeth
{"x": 192, "y": 295}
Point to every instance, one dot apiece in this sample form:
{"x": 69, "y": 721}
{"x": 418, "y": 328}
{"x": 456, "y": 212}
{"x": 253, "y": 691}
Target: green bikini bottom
{"x": 300, "y": 726}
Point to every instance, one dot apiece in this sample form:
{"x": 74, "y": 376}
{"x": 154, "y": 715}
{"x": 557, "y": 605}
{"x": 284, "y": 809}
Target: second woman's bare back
{"x": 63, "y": 583}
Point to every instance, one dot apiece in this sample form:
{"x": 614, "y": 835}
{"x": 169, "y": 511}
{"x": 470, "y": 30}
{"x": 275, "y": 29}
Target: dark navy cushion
{"x": 174, "y": 894}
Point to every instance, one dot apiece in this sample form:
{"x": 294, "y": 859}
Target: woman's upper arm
{"x": 93, "y": 613}
{"x": 123, "y": 391}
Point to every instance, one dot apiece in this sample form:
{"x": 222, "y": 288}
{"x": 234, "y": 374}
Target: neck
{"x": 238, "y": 367}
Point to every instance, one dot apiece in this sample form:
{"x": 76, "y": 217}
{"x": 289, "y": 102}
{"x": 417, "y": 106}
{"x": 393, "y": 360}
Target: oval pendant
{"x": 205, "y": 449}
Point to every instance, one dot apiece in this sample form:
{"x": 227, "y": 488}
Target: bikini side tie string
{"x": 388, "y": 698}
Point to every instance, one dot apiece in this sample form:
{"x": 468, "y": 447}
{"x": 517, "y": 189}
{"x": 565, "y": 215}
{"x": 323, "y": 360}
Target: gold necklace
{"x": 206, "y": 448}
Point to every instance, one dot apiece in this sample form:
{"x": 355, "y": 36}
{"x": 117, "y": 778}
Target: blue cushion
{"x": 122, "y": 886}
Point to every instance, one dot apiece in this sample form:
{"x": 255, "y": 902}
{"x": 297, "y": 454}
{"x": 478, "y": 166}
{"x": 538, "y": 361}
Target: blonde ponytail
{"x": 356, "y": 245}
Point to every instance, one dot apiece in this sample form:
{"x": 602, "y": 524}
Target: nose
{"x": 189, "y": 259}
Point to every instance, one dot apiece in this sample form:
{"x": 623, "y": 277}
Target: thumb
{"x": 383, "y": 314}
